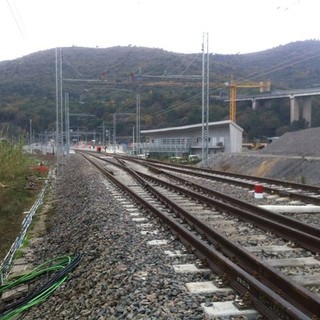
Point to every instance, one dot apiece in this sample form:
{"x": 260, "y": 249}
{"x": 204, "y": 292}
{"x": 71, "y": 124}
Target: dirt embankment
{"x": 301, "y": 170}
{"x": 295, "y": 156}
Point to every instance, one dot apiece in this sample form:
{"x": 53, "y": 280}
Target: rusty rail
{"x": 246, "y": 273}
{"x": 223, "y": 177}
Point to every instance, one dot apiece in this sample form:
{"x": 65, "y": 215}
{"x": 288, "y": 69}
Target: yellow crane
{"x": 264, "y": 86}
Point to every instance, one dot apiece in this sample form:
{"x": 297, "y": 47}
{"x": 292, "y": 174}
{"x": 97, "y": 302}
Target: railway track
{"x": 292, "y": 190}
{"x": 251, "y": 249}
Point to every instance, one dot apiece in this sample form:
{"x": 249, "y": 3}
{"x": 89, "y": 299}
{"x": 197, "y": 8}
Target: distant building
{"x": 224, "y": 136}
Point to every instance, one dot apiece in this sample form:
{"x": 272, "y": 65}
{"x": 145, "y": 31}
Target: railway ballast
{"x": 146, "y": 257}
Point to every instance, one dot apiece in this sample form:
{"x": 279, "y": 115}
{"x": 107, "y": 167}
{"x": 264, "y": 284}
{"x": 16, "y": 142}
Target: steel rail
{"x": 288, "y": 228}
{"x": 276, "y": 217}
{"x": 300, "y": 293}
{"x": 263, "y": 298}
{"x": 287, "y": 184}
{"x": 246, "y": 184}
{"x": 310, "y": 234}
{"x": 269, "y": 275}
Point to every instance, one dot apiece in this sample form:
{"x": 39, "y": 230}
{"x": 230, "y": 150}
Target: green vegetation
{"x": 25, "y": 243}
{"x": 15, "y": 196}
{"x": 27, "y": 88}
{"x": 13, "y": 162}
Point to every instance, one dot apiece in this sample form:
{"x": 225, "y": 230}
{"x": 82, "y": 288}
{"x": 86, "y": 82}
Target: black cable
{"x": 60, "y": 276}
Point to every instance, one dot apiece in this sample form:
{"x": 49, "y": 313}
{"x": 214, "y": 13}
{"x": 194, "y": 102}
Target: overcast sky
{"x": 234, "y": 26}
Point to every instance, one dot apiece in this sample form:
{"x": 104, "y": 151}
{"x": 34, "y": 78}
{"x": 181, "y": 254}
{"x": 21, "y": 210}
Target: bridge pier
{"x": 298, "y": 104}
{"x": 294, "y": 109}
{"x": 257, "y": 104}
{"x": 306, "y": 110}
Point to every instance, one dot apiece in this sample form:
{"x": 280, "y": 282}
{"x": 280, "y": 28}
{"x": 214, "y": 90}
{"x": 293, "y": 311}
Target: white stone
{"x": 226, "y": 310}
{"x": 139, "y": 219}
{"x": 176, "y": 253}
{"x": 206, "y": 287}
{"x": 189, "y": 268}
{"x": 157, "y": 242}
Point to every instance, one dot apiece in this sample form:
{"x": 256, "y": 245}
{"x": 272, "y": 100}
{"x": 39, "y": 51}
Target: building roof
{"x": 192, "y": 126}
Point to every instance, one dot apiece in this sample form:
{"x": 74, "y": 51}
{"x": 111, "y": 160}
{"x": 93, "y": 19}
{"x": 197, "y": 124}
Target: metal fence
{"x": 6, "y": 264}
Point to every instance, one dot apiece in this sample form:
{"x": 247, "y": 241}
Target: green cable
{"x": 36, "y": 272}
{"x": 34, "y": 301}
{"x": 65, "y": 264}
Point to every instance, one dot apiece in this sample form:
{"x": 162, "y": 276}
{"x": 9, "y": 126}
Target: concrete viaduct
{"x": 300, "y": 101}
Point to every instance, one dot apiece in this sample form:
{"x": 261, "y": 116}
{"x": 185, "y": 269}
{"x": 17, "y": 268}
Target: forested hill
{"x": 27, "y": 87}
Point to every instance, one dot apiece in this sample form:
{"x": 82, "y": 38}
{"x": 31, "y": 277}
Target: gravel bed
{"x": 248, "y": 196}
{"x": 120, "y": 276}
{"x": 268, "y": 199}
{"x": 310, "y": 218}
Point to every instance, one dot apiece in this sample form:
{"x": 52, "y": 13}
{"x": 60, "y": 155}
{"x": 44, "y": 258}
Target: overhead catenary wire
{"x": 15, "y": 14}
{"x": 283, "y": 65}
{"x": 266, "y": 71}
{"x": 280, "y": 67}
{"x": 288, "y": 63}
{"x": 175, "y": 106}
{"x": 191, "y": 62}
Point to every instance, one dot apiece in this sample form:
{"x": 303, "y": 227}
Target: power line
{"x": 16, "y": 18}
{"x": 175, "y": 106}
{"x": 280, "y": 66}
{"x": 288, "y": 65}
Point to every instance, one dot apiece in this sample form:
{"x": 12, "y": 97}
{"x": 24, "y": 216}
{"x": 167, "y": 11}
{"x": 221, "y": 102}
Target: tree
{"x": 299, "y": 125}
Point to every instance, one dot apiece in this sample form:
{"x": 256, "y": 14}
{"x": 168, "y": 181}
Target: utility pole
{"x": 205, "y": 100}
{"x": 138, "y": 81}
{"x": 67, "y": 118}
{"x": 115, "y": 124}
{"x": 59, "y": 112}
{"x": 133, "y": 148}
{"x": 30, "y": 136}
{"x": 138, "y": 120}
{"x": 114, "y": 132}
{"x": 103, "y": 134}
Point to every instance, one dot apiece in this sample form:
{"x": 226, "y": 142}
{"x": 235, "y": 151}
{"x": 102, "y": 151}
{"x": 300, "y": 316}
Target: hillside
{"x": 27, "y": 87}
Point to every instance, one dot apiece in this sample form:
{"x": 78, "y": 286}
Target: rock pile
{"x": 302, "y": 143}
{"x": 295, "y": 156}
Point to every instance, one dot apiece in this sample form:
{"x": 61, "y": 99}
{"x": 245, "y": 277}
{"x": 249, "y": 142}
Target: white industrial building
{"x": 223, "y": 136}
